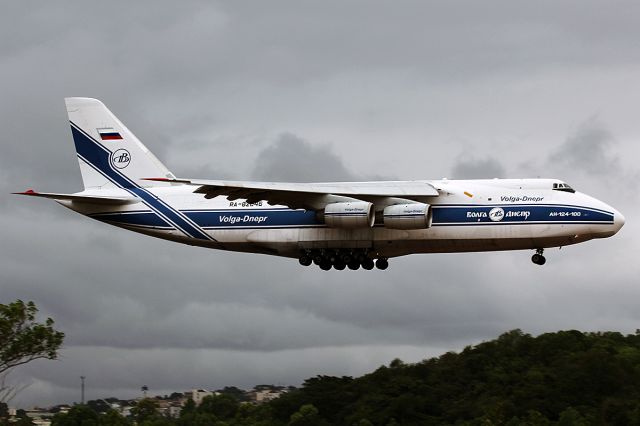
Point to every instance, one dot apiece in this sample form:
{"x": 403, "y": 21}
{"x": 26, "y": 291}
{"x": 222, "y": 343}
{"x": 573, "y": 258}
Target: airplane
{"x": 331, "y": 224}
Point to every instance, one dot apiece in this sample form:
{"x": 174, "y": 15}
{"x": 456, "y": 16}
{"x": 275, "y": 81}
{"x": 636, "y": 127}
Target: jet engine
{"x": 357, "y": 214}
{"x": 407, "y": 216}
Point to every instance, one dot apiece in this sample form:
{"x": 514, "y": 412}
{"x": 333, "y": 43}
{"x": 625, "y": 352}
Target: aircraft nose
{"x": 618, "y": 220}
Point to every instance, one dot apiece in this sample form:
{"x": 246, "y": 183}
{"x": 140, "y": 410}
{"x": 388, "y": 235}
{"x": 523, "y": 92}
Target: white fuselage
{"x": 468, "y": 215}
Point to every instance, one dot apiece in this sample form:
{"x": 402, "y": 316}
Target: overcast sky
{"x": 302, "y": 90}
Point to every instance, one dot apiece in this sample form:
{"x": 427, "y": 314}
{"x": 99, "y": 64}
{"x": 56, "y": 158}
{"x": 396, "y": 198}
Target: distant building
{"x": 198, "y": 395}
{"x": 174, "y": 411}
{"x": 266, "y": 393}
{"x": 169, "y": 405}
{"x": 62, "y": 408}
{"x": 40, "y": 416}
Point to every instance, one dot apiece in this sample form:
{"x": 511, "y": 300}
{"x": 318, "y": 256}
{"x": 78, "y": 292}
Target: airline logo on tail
{"x": 109, "y": 134}
{"x": 120, "y": 158}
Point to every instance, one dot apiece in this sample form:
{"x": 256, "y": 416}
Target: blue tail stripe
{"x": 98, "y": 157}
{"x": 130, "y": 190}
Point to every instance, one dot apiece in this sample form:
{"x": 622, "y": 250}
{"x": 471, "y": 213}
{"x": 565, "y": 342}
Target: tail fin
{"x": 110, "y": 156}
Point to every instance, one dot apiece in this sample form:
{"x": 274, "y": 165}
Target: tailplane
{"x": 110, "y": 155}
{"x": 78, "y": 198}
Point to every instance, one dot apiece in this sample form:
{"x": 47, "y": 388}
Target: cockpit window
{"x": 563, "y": 187}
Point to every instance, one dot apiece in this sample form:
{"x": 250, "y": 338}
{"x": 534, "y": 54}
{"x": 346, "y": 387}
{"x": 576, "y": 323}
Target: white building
{"x": 198, "y": 395}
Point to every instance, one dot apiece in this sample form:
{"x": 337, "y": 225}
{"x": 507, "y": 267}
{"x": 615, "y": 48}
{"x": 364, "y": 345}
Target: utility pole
{"x": 82, "y": 389}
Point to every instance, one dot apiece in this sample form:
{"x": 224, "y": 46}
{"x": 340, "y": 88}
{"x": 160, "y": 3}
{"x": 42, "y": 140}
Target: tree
{"x": 98, "y": 405}
{"x": 24, "y": 421}
{"x": 235, "y": 392}
{"x": 307, "y": 415}
{"x": 189, "y": 407}
{"x": 4, "y": 414}
{"x": 24, "y": 339}
{"x": 113, "y": 418}
{"x": 572, "y": 417}
{"x": 147, "y": 409}
{"x": 223, "y": 407}
{"x": 78, "y": 415}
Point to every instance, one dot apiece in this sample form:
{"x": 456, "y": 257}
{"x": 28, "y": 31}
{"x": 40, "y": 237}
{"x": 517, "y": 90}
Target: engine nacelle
{"x": 407, "y": 216}
{"x": 358, "y": 214}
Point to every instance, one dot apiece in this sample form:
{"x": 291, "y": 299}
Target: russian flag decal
{"x": 109, "y": 134}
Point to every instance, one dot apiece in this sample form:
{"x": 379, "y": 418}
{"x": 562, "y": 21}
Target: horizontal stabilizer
{"x": 89, "y": 199}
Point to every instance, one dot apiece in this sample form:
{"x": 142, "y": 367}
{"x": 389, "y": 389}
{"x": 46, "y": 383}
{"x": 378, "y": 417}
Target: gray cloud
{"x": 588, "y": 149}
{"x": 292, "y": 159}
{"x": 469, "y": 167}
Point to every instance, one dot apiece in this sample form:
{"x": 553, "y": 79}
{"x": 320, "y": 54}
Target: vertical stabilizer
{"x": 110, "y": 156}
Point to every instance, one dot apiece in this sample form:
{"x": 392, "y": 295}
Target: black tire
{"x": 305, "y": 260}
{"x": 325, "y": 265}
{"x": 367, "y": 263}
{"x": 382, "y": 264}
{"x": 537, "y": 259}
{"x": 353, "y": 265}
{"x": 339, "y": 265}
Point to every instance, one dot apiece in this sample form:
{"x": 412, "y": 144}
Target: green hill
{"x": 564, "y": 378}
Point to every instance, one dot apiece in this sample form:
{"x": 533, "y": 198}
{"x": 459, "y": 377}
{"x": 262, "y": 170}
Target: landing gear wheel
{"x": 367, "y": 264}
{"x": 538, "y": 259}
{"x": 325, "y": 265}
{"x": 382, "y": 263}
{"x": 305, "y": 260}
{"x": 339, "y": 265}
{"x": 354, "y": 265}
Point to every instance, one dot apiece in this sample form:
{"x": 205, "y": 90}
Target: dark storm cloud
{"x": 292, "y": 159}
{"x": 307, "y": 91}
{"x": 588, "y": 149}
{"x": 468, "y": 167}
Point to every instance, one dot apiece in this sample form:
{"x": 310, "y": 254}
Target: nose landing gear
{"x": 538, "y": 258}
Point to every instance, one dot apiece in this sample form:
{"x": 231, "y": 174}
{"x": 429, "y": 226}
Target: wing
{"x": 313, "y": 195}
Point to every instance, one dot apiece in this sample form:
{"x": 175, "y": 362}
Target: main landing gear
{"x": 340, "y": 259}
{"x": 538, "y": 258}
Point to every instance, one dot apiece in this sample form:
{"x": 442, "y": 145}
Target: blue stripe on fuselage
{"x": 442, "y": 216}
{"x": 137, "y": 218}
{"x": 517, "y": 214}
{"x": 251, "y": 218}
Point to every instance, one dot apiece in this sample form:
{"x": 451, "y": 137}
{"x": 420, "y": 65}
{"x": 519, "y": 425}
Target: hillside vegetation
{"x": 563, "y": 378}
